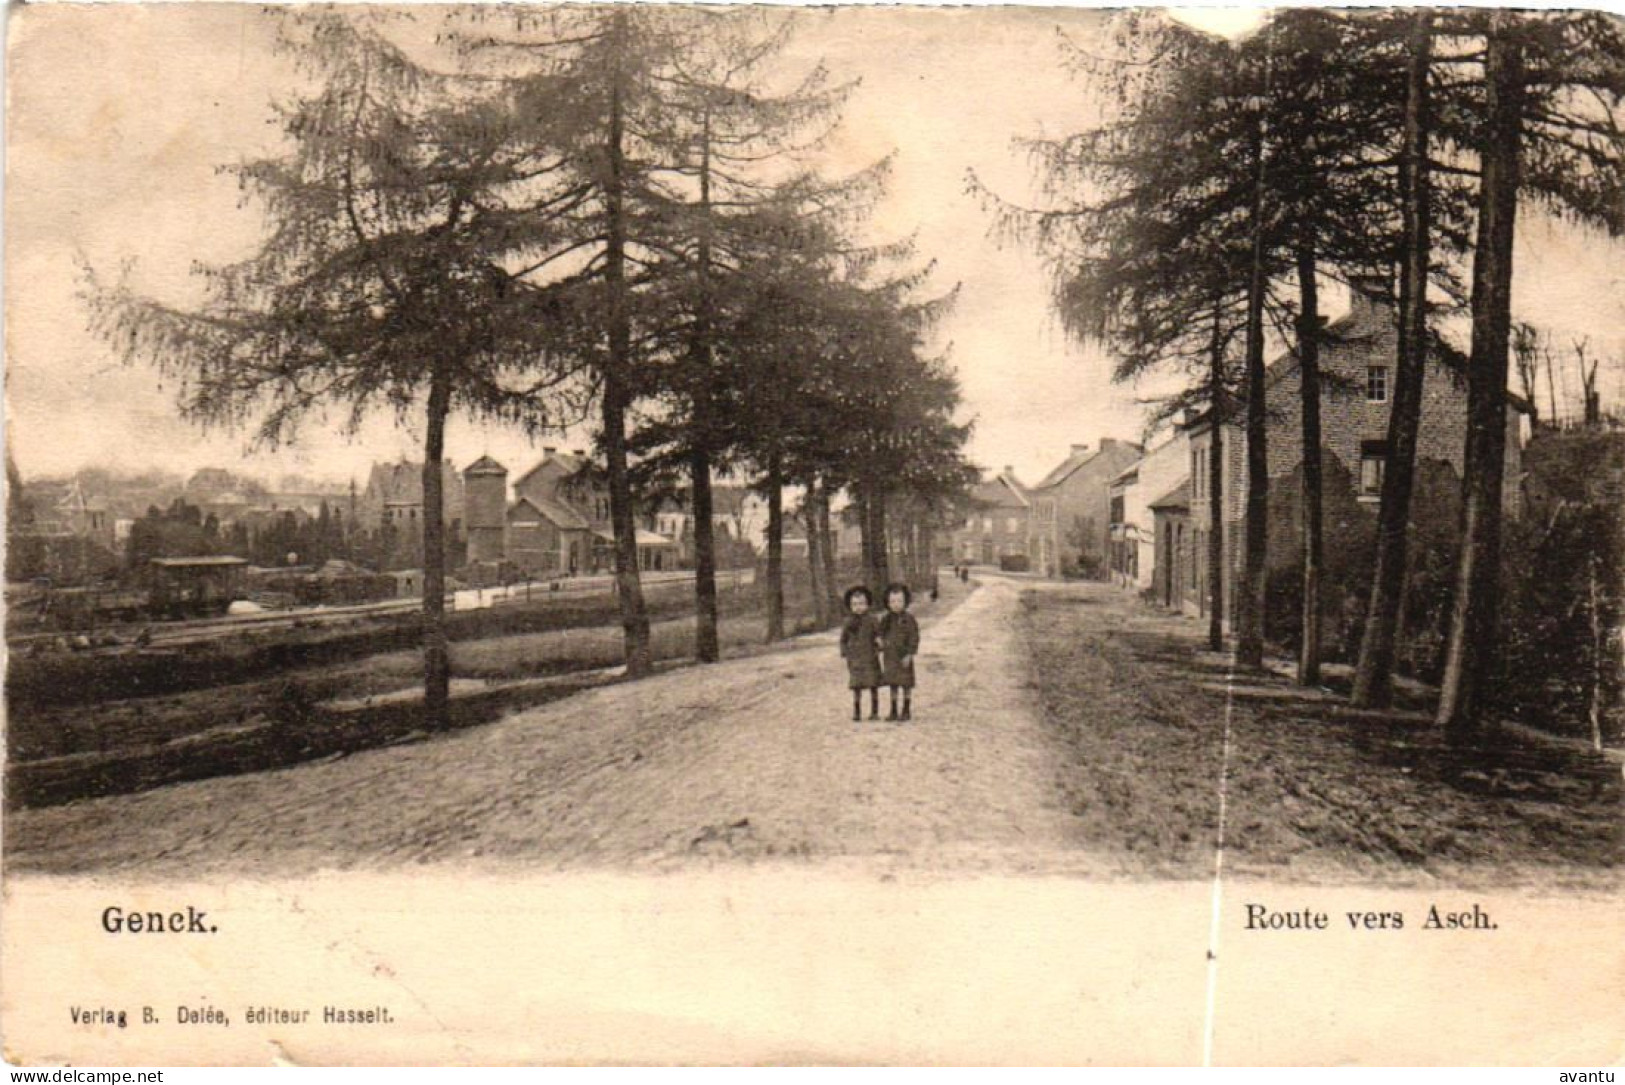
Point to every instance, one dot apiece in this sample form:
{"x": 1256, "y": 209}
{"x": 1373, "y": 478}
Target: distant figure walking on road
{"x": 899, "y": 641}
{"x": 860, "y": 647}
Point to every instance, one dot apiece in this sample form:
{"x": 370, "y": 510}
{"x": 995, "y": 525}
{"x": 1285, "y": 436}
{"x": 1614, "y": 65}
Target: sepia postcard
{"x": 642, "y": 534}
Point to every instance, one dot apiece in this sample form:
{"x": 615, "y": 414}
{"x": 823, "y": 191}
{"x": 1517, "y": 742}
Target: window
{"x": 1117, "y": 509}
{"x": 1376, "y": 383}
{"x": 1373, "y": 457}
{"x": 1012, "y": 525}
{"x": 987, "y": 524}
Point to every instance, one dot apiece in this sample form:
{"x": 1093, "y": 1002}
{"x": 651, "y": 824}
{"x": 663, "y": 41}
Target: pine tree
{"x": 1550, "y": 127}
{"x": 383, "y": 279}
{"x": 1373, "y": 673}
{"x": 734, "y": 139}
{"x": 588, "y": 83}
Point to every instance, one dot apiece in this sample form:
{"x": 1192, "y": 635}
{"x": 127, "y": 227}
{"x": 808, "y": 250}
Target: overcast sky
{"x": 119, "y": 116}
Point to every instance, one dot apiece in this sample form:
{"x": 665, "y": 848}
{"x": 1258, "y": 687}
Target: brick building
{"x": 1071, "y": 508}
{"x": 1357, "y": 381}
{"x": 394, "y": 496}
{"x": 485, "y": 495}
{"x": 996, "y": 528}
{"x": 559, "y": 520}
{"x": 392, "y": 504}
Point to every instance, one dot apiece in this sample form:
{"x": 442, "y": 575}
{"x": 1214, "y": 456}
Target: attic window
{"x": 1376, "y": 383}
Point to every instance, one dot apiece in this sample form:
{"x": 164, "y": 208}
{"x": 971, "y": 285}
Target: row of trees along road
{"x": 545, "y": 217}
{"x": 1226, "y": 180}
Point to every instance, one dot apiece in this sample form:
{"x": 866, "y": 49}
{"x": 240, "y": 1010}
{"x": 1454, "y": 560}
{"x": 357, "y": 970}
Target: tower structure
{"x": 485, "y": 494}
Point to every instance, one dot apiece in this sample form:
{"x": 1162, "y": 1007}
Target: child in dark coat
{"x": 860, "y": 647}
{"x": 899, "y": 641}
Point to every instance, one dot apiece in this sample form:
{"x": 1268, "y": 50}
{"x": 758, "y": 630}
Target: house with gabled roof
{"x": 547, "y": 536}
{"x": 394, "y": 496}
{"x": 393, "y": 504}
{"x": 1133, "y": 495}
{"x": 1357, "y": 356}
{"x": 1071, "y": 508}
{"x": 995, "y": 529}
{"x": 559, "y": 520}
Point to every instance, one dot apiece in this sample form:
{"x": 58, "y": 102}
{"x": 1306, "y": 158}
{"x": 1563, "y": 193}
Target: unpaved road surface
{"x": 748, "y": 759}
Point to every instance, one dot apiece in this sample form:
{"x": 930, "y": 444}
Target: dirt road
{"x": 748, "y": 759}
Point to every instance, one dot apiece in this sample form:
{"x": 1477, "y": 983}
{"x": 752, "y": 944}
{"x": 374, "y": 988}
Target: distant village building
{"x": 557, "y": 522}
{"x": 392, "y": 504}
{"x": 1132, "y": 520}
{"x": 738, "y": 520}
{"x": 209, "y": 483}
{"x": 394, "y": 496}
{"x": 485, "y": 493}
{"x": 1176, "y": 576}
{"x": 1071, "y": 508}
{"x": 1048, "y": 528}
{"x": 58, "y": 531}
{"x": 996, "y": 528}
{"x": 79, "y": 515}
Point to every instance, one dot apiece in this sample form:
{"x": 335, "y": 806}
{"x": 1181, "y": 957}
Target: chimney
{"x": 1371, "y": 301}
{"x": 1009, "y": 471}
{"x": 1078, "y": 450}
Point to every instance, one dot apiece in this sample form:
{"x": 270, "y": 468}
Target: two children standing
{"x": 880, "y": 652}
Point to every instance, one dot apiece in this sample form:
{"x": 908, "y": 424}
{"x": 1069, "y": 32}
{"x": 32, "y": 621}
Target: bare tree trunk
{"x": 1309, "y": 370}
{"x": 1373, "y": 676}
{"x": 815, "y": 556}
{"x": 860, "y": 505}
{"x": 871, "y": 526}
{"x": 905, "y": 549}
{"x": 436, "y": 655}
{"x": 1471, "y": 654}
{"x": 1250, "y": 591}
{"x": 1551, "y": 386}
{"x": 706, "y": 648}
{"x": 628, "y": 585}
{"x": 775, "y": 552}
{"x": 1598, "y": 657}
{"x": 880, "y": 571}
{"x": 1218, "y": 412}
{"x": 922, "y": 553}
{"x": 929, "y": 551}
{"x": 826, "y": 546}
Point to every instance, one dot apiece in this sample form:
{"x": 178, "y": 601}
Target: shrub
{"x": 1561, "y": 581}
{"x": 1348, "y": 560}
{"x": 291, "y": 711}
